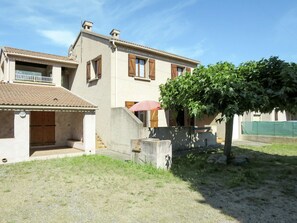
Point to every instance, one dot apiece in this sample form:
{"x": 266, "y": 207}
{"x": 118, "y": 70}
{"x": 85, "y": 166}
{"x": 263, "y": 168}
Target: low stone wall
{"x": 269, "y": 139}
{"x": 152, "y": 151}
{"x": 183, "y": 138}
{"x": 125, "y": 126}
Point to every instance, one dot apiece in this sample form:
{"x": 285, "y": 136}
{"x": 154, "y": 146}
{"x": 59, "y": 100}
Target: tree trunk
{"x": 228, "y": 138}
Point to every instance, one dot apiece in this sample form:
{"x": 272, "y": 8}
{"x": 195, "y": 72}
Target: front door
{"x": 42, "y": 128}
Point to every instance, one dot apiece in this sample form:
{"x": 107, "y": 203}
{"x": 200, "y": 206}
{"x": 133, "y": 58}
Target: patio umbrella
{"x": 145, "y": 106}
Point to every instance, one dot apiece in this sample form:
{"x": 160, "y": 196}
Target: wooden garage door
{"x": 42, "y": 128}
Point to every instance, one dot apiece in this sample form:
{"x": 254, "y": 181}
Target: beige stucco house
{"x": 114, "y": 74}
{"x": 36, "y": 108}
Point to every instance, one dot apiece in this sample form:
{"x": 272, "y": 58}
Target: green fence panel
{"x": 285, "y": 129}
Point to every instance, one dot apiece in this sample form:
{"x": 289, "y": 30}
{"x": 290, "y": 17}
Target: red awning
{"x": 146, "y": 106}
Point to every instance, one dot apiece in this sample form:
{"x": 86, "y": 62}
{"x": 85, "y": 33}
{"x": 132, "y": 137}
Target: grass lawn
{"x": 99, "y": 189}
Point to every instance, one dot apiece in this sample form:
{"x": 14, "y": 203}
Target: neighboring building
{"x": 113, "y": 73}
{"x": 35, "y": 110}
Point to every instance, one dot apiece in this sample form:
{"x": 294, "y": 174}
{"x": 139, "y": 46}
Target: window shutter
{"x": 131, "y": 65}
{"x": 152, "y": 69}
{"x": 99, "y": 67}
{"x": 129, "y": 104}
{"x": 173, "y": 71}
{"x": 88, "y": 71}
{"x": 188, "y": 69}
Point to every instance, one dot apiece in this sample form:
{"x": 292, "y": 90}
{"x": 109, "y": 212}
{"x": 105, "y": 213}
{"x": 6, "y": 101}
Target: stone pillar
{"x": 89, "y": 133}
{"x": 11, "y": 71}
{"x": 57, "y": 75}
{"x": 152, "y": 151}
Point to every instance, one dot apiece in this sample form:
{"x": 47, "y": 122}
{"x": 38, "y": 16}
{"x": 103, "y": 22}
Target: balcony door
{"x": 42, "y": 128}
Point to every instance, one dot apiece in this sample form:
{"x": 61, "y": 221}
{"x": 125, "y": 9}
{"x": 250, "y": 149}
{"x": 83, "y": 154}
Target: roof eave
{"x": 136, "y": 46}
{"x": 163, "y": 53}
{"x": 73, "y": 63}
{"x": 45, "y": 108}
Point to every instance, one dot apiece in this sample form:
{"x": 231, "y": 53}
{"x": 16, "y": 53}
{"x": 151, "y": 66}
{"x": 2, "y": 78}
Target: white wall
{"x": 125, "y": 126}
{"x": 115, "y": 87}
{"x": 17, "y": 149}
{"x": 67, "y": 128}
{"x": 98, "y": 91}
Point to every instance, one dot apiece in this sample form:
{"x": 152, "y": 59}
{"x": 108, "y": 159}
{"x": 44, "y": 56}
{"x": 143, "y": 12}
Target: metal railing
{"x": 29, "y": 76}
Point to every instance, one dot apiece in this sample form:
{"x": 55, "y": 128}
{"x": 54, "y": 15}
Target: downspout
{"x": 116, "y": 66}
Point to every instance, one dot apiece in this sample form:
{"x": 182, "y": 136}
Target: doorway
{"x": 42, "y": 128}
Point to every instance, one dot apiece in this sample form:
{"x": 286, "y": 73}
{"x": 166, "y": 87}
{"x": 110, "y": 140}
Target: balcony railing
{"x": 31, "y": 76}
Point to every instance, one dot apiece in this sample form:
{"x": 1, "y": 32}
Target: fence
{"x": 26, "y": 76}
{"x": 283, "y": 129}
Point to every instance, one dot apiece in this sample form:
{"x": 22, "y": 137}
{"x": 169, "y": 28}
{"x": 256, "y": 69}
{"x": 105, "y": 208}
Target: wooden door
{"x": 42, "y": 128}
{"x": 154, "y": 119}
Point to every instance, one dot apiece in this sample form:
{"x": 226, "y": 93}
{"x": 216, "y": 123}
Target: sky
{"x": 206, "y": 30}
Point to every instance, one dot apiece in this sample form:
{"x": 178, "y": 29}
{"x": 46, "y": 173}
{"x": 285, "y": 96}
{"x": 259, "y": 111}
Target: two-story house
{"x": 37, "y": 111}
{"x": 114, "y": 74}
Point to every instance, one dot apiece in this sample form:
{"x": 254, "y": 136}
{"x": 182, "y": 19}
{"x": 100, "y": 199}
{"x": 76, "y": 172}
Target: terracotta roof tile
{"x": 21, "y": 52}
{"x": 42, "y": 96}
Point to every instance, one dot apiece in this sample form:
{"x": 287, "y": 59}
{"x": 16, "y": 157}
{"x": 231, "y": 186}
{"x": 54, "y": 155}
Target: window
{"x": 140, "y": 67}
{"x": 94, "y": 69}
{"x": 180, "y": 71}
{"x": 7, "y": 124}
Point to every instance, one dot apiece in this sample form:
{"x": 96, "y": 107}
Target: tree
{"x": 276, "y": 82}
{"x": 223, "y": 88}
{"x": 210, "y": 90}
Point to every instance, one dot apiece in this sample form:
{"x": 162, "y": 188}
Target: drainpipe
{"x": 116, "y": 66}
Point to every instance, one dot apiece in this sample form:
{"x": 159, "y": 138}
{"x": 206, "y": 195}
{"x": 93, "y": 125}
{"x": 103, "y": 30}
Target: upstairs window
{"x": 141, "y": 67}
{"x": 177, "y": 70}
{"x": 180, "y": 71}
{"x": 94, "y": 69}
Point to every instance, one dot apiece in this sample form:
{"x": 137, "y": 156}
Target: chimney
{"x": 87, "y": 25}
{"x": 115, "y": 33}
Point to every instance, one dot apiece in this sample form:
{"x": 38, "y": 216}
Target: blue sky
{"x": 206, "y": 30}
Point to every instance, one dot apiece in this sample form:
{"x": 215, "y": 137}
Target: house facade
{"x": 37, "y": 109}
{"x": 115, "y": 74}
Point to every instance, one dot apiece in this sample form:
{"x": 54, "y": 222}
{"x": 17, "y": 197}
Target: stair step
{"x": 99, "y": 143}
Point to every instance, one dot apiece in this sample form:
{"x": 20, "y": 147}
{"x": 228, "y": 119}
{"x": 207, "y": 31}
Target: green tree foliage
{"x": 223, "y": 88}
{"x": 276, "y": 81}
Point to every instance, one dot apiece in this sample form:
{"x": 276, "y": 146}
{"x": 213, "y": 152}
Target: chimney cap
{"x": 115, "y": 33}
{"x": 87, "y": 25}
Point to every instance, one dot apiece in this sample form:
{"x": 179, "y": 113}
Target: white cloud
{"x": 60, "y": 37}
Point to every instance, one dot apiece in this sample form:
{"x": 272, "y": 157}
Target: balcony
{"x": 32, "y": 76}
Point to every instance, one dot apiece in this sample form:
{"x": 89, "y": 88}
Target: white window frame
{"x": 137, "y": 67}
{"x": 180, "y": 70}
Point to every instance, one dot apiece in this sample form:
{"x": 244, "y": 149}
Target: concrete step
{"x": 99, "y": 143}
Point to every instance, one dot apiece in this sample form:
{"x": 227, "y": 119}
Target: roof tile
{"x": 21, "y": 52}
{"x": 45, "y": 96}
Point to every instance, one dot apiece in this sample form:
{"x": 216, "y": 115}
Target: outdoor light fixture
{"x": 22, "y": 114}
